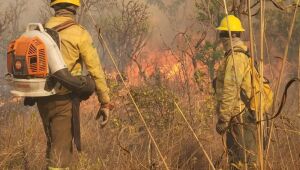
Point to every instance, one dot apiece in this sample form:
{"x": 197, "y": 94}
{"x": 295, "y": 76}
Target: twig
{"x": 196, "y": 137}
{"x": 277, "y": 5}
{"x": 282, "y": 70}
{"x": 299, "y": 82}
{"x": 100, "y": 37}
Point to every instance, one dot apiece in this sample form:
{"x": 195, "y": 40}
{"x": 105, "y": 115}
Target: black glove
{"x": 103, "y": 112}
{"x": 221, "y": 127}
{"x": 88, "y": 87}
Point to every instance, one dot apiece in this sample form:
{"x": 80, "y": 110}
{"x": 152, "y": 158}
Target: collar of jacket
{"x": 56, "y": 20}
{"x": 236, "y": 43}
{"x": 64, "y": 13}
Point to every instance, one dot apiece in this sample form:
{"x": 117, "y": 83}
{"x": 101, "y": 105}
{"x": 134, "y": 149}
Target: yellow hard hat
{"x": 73, "y": 2}
{"x": 233, "y": 22}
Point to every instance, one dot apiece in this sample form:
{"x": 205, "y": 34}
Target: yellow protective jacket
{"x": 77, "y": 42}
{"x": 232, "y": 76}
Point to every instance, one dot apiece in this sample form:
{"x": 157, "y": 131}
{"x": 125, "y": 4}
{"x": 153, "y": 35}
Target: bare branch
{"x": 255, "y": 4}
{"x": 277, "y": 5}
{"x": 45, "y": 11}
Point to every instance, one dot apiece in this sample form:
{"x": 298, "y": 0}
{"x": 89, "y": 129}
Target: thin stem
{"x": 101, "y": 39}
{"x": 299, "y": 82}
{"x": 260, "y": 113}
{"x": 282, "y": 70}
{"x": 235, "y": 72}
{"x": 196, "y": 137}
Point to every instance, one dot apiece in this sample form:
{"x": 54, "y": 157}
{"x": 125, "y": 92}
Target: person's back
{"x": 232, "y": 75}
{"x": 70, "y": 40}
{"x": 235, "y": 118}
{"x": 60, "y": 112}
{"x": 77, "y": 44}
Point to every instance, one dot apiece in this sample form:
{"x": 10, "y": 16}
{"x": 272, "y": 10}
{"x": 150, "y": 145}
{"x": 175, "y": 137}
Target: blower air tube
{"x": 81, "y": 86}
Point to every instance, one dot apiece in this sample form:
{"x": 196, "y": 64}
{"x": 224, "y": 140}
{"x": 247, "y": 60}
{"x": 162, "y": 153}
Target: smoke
{"x": 166, "y": 21}
{"x": 170, "y": 20}
{"x": 167, "y": 18}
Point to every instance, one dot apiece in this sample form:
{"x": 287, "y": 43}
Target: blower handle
{"x": 35, "y": 26}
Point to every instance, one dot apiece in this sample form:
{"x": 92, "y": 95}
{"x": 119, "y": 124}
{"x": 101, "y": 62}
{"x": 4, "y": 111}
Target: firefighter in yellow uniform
{"x": 56, "y": 111}
{"x": 233, "y": 81}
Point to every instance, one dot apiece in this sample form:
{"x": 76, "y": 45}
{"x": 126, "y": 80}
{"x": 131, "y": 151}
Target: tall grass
{"x": 124, "y": 143}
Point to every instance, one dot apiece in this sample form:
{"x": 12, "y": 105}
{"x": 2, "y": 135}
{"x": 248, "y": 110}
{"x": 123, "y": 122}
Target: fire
{"x": 168, "y": 65}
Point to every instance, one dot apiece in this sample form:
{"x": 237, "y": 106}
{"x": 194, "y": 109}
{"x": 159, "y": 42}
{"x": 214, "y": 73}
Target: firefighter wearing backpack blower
{"x": 58, "y": 111}
{"x": 233, "y": 79}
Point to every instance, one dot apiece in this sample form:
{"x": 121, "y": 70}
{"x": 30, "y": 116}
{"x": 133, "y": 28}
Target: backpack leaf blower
{"x": 36, "y": 67}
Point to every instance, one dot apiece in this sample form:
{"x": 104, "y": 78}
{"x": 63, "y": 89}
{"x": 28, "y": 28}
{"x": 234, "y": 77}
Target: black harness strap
{"x": 283, "y": 99}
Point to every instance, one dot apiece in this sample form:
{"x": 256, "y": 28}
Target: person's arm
{"x": 91, "y": 59}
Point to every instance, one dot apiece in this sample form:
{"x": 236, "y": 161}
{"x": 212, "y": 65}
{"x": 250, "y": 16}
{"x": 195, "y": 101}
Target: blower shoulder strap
{"x": 54, "y": 32}
{"x": 64, "y": 25}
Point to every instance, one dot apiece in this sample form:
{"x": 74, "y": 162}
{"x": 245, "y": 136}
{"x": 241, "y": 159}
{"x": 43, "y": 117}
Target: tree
{"x": 45, "y": 11}
{"x": 4, "y": 24}
{"x": 209, "y": 15}
{"x": 209, "y": 55}
{"x": 9, "y": 26}
{"x": 16, "y": 10}
{"x": 170, "y": 9}
{"x": 279, "y": 21}
{"x": 127, "y": 31}
{"x": 10, "y": 18}
{"x": 5, "y": 20}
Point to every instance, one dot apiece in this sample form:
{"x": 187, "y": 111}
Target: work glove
{"x": 104, "y": 113}
{"x": 221, "y": 127}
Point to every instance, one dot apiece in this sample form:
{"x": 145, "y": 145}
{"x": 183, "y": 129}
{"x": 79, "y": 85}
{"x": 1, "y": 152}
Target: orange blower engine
{"x": 27, "y": 58}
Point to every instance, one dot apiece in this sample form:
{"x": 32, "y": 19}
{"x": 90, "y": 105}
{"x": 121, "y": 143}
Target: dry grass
{"x": 124, "y": 143}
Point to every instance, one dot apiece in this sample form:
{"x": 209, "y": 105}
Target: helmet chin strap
{"x": 72, "y": 9}
{"x": 65, "y": 8}
{"x": 64, "y": 12}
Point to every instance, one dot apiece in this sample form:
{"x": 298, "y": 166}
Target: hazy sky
{"x": 158, "y": 20}
{"x": 31, "y": 12}
{"x": 160, "y": 25}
